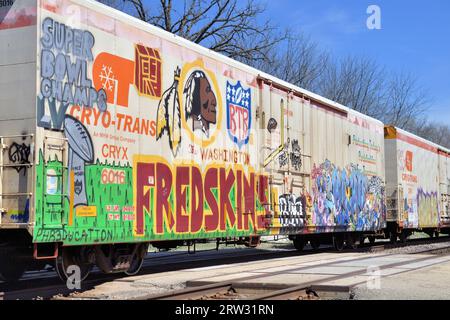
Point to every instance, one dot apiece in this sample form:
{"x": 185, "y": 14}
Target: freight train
{"x": 116, "y": 135}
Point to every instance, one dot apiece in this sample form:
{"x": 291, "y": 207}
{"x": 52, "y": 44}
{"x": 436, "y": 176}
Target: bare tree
{"x": 234, "y": 28}
{"x": 230, "y": 27}
{"x": 431, "y": 130}
{"x": 405, "y": 101}
{"x": 298, "y": 60}
{"x": 356, "y": 83}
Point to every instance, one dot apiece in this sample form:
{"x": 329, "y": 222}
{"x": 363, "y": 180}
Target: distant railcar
{"x": 417, "y": 184}
{"x": 116, "y": 135}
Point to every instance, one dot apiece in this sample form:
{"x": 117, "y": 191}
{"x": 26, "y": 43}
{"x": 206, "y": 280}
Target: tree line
{"x": 237, "y": 29}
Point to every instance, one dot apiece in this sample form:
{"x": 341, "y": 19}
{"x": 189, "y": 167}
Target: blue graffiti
{"x": 347, "y": 198}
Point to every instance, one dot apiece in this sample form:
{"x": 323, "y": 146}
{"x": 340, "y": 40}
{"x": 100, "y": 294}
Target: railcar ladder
{"x": 22, "y": 161}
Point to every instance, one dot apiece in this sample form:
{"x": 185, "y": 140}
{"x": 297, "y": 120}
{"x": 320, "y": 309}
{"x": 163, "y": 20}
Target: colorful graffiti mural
{"x": 347, "y": 198}
{"x": 148, "y": 159}
{"x": 291, "y": 213}
{"x": 169, "y": 115}
{"x": 239, "y": 112}
{"x": 428, "y": 208}
{"x": 182, "y": 199}
{"x": 65, "y": 55}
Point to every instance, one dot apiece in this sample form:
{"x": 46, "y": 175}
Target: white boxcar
{"x": 416, "y": 182}
{"x": 115, "y": 131}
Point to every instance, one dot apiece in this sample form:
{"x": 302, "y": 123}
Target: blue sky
{"x": 415, "y": 37}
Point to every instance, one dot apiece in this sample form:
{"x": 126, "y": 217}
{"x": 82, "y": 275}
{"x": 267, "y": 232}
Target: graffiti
{"x": 272, "y": 125}
{"x": 65, "y": 82}
{"x": 409, "y": 217}
{"x": 347, "y": 197}
{"x": 19, "y": 154}
{"x": 147, "y": 71}
{"x": 75, "y": 236}
{"x": 283, "y": 157}
{"x": 6, "y": 3}
{"x": 282, "y": 146}
{"x": 405, "y": 163}
{"x": 292, "y": 213}
{"x": 409, "y": 161}
{"x": 225, "y": 155}
{"x": 239, "y": 121}
{"x": 401, "y": 159}
{"x": 118, "y": 122}
{"x": 428, "y": 208}
{"x": 81, "y": 151}
{"x": 293, "y": 155}
{"x": 182, "y": 194}
{"x": 200, "y": 102}
{"x": 296, "y": 159}
{"x": 114, "y": 75}
{"x": 168, "y": 115}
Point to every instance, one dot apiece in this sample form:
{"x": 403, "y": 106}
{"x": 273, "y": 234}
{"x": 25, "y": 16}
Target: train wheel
{"x": 11, "y": 267}
{"x": 352, "y": 241}
{"x": 372, "y": 240}
{"x": 135, "y": 267}
{"x": 404, "y": 236}
{"x": 138, "y": 260}
{"x": 69, "y": 257}
{"x": 436, "y": 234}
{"x": 299, "y": 244}
{"x": 315, "y": 244}
{"x": 339, "y": 243}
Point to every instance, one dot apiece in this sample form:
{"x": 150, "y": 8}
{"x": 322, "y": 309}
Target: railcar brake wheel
{"x": 339, "y": 243}
{"x": 69, "y": 256}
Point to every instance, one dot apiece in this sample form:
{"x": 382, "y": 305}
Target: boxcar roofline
{"x": 125, "y": 18}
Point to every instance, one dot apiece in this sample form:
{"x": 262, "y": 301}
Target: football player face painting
{"x": 208, "y": 102}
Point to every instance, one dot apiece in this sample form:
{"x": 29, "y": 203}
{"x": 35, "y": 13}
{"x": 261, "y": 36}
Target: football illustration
{"x": 79, "y": 139}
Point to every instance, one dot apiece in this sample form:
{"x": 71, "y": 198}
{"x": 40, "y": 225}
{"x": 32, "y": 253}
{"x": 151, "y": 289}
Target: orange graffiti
{"x": 148, "y": 71}
{"x": 114, "y": 74}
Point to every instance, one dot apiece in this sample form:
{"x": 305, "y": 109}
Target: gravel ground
{"x": 120, "y": 290}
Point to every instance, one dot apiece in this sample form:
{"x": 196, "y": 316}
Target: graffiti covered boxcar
{"x": 117, "y": 135}
{"x": 417, "y": 184}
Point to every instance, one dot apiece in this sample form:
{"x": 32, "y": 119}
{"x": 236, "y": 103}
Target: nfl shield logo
{"x": 239, "y": 113}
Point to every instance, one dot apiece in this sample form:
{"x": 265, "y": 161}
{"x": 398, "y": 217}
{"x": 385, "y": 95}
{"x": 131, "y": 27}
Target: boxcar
{"x": 116, "y": 135}
{"x": 417, "y": 184}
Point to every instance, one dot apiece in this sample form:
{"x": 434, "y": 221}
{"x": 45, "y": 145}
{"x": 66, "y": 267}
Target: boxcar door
{"x": 282, "y": 142}
{"x": 444, "y": 188}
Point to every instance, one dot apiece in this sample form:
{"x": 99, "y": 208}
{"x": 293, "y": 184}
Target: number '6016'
{"x": 111, "y": 176}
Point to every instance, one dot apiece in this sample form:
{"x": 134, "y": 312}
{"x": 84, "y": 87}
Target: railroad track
{"x": 39, "y": 288}
{"x": 44, "y": 285}
{"x": 230, "y": 290}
